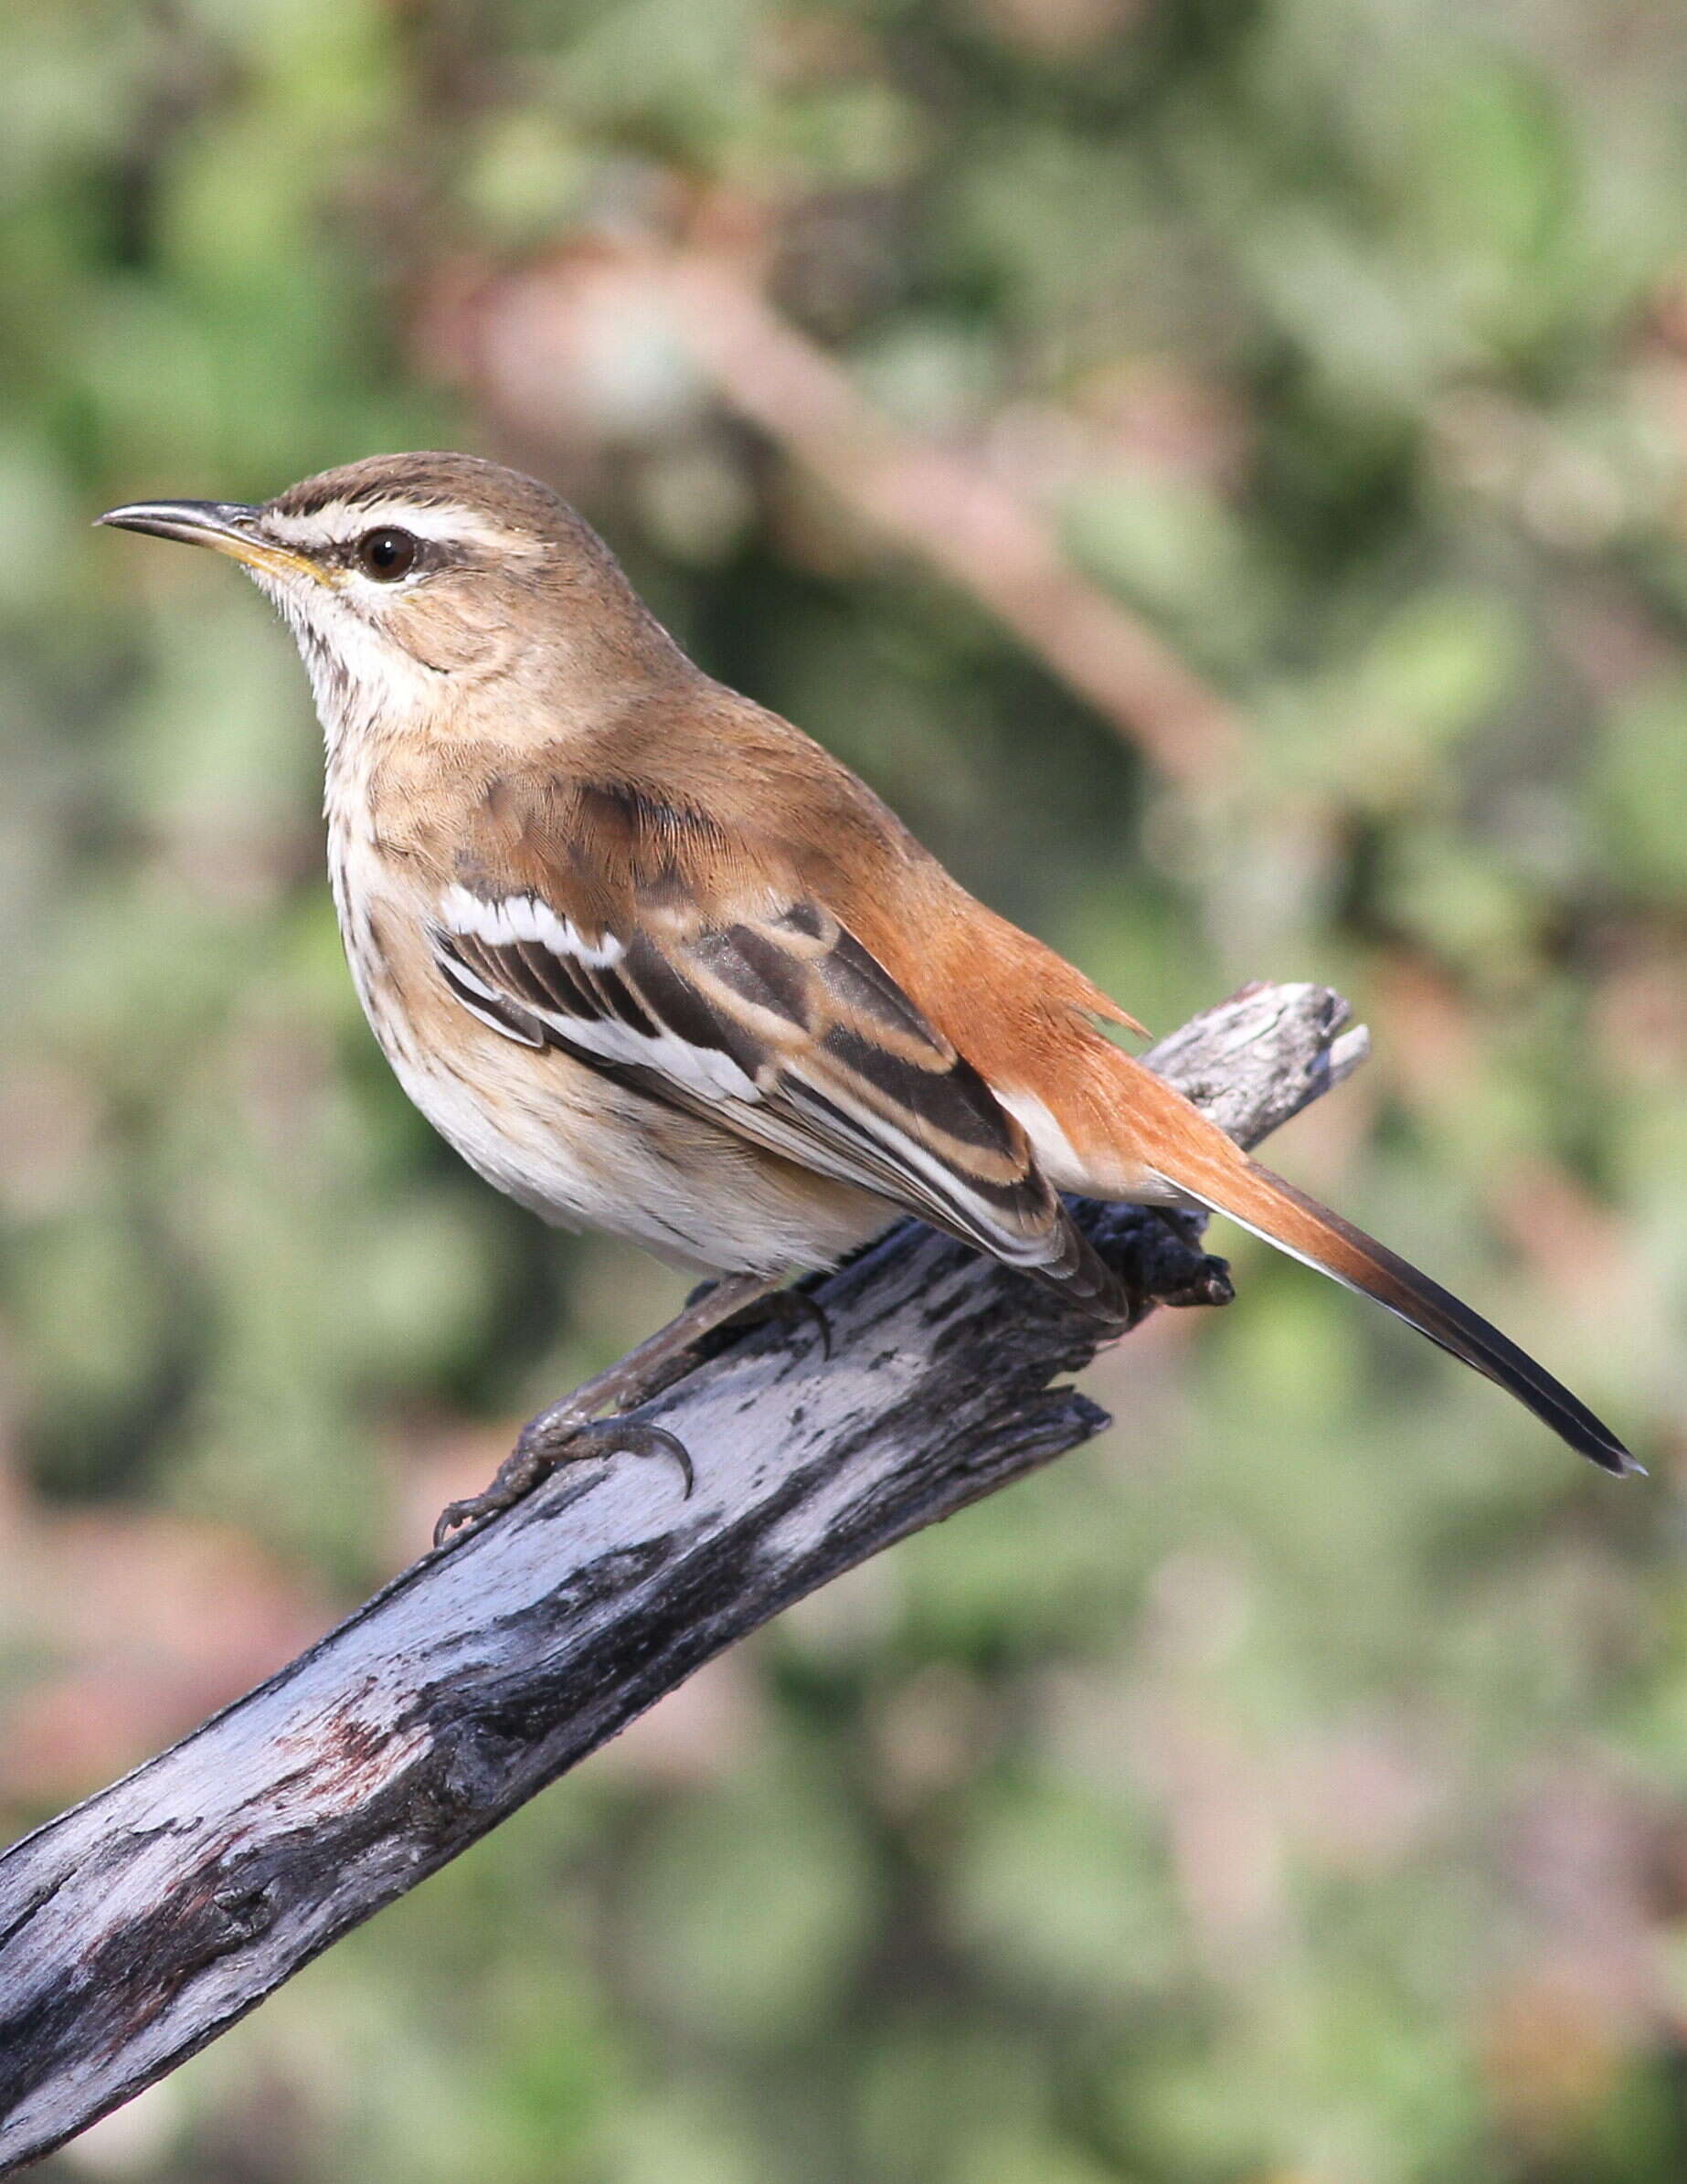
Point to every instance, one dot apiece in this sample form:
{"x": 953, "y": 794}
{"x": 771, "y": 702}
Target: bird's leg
{"x": 573, "y": 1429}
{"x": 789, "y": 1306}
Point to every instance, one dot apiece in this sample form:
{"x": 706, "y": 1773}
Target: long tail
{"x": 1216, "y": 1174}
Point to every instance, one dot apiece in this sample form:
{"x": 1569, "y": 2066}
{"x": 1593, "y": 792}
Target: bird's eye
{"x": 386, "y": 554}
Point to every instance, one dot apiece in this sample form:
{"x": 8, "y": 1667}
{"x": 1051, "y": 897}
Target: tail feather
{"x": 1252, "y": 1196}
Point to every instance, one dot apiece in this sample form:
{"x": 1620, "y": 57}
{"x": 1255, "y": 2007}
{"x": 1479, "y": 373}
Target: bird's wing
{"x": 774, "y": 1023}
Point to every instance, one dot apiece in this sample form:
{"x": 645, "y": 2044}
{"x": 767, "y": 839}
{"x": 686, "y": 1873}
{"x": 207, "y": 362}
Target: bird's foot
{"x": 1208, "y": 1283}
{"x": 1160, "y": 1260}
{"x": 577, "y": 1427}
{"x": 558, "y": 1435}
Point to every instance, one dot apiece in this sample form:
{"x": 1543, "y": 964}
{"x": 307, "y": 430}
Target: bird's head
{"x": 407, "y": 579}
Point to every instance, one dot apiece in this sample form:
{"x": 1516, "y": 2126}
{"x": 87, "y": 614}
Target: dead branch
{"x": 140, "y": 1924}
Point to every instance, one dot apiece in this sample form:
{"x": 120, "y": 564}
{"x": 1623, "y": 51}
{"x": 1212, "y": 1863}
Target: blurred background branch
{"x": 954, "y": 512}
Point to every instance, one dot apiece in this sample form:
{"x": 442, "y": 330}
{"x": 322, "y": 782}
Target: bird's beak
{"x": 228, "y": 527}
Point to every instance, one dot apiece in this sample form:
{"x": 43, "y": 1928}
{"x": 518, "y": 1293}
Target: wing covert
{"x": 781, "y": 1028}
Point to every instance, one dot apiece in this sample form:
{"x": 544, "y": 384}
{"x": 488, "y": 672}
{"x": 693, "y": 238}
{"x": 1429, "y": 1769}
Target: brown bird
{"x": 655, "y": 964}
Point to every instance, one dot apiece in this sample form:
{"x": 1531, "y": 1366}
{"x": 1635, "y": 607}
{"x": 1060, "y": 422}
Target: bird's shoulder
{"x": 703, "y": 811}
{"x": 711, "y": 803}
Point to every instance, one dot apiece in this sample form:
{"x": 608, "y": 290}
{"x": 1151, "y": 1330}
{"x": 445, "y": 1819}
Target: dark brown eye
{"x": 386, "y": 554}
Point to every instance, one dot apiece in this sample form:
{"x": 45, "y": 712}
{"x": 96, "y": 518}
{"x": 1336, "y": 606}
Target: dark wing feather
{"x": 784, "y": 1030}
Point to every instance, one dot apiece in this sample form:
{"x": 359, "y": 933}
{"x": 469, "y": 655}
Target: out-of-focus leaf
{"x": 1345, "y": 343}
{"x": 1063, "y": 1892}
{"x": 1640, "y": 778}
{"x": 749, "y": 1911}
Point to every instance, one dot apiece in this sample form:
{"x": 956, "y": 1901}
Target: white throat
{"x": 366, "y": 689}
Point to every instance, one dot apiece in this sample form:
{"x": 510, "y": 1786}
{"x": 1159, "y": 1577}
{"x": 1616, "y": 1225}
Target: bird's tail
{"x": 1205, "y": 1166}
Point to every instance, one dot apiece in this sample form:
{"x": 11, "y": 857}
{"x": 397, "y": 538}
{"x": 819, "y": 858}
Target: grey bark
{"x": 143, "y": 1922}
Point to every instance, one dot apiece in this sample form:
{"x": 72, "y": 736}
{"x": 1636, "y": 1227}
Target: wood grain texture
{"x": 143, "y": 1922}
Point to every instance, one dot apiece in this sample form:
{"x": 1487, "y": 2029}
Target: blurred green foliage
{"x": 1290, "y": 1789}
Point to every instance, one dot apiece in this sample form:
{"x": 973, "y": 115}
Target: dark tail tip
{"x": 1449, "y": 1320}
{"x": 1351, "y": 1256}
{"x": 1602, "y": 1446}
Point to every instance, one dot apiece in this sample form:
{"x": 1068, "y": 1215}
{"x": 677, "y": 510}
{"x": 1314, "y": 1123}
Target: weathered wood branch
{"x": 141, "y": 1923}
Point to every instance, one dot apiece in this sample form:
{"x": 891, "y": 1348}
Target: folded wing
{"x": 782, "y": 1029}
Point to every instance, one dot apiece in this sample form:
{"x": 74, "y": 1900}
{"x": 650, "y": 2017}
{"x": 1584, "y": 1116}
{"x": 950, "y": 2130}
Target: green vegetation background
{"x": 1290, "y": 1787}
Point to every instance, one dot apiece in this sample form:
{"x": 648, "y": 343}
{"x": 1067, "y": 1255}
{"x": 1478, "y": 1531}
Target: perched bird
{"x": 655, "y": 964}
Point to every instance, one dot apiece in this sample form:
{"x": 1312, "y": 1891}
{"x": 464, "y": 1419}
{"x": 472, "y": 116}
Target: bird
{"x": 656, "y": 963}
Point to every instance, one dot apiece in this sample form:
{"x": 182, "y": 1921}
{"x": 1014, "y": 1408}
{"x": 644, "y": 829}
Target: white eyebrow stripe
{"x": 524, "y": 918}
{"x": 338, "y": 522}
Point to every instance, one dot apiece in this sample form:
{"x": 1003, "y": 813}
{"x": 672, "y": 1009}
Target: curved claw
{"x": 455, "y": 1514}
{"x": 796, "y": 1308}
{"x": 646, "y": 1440}
{"x": 542, "y": 1449}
